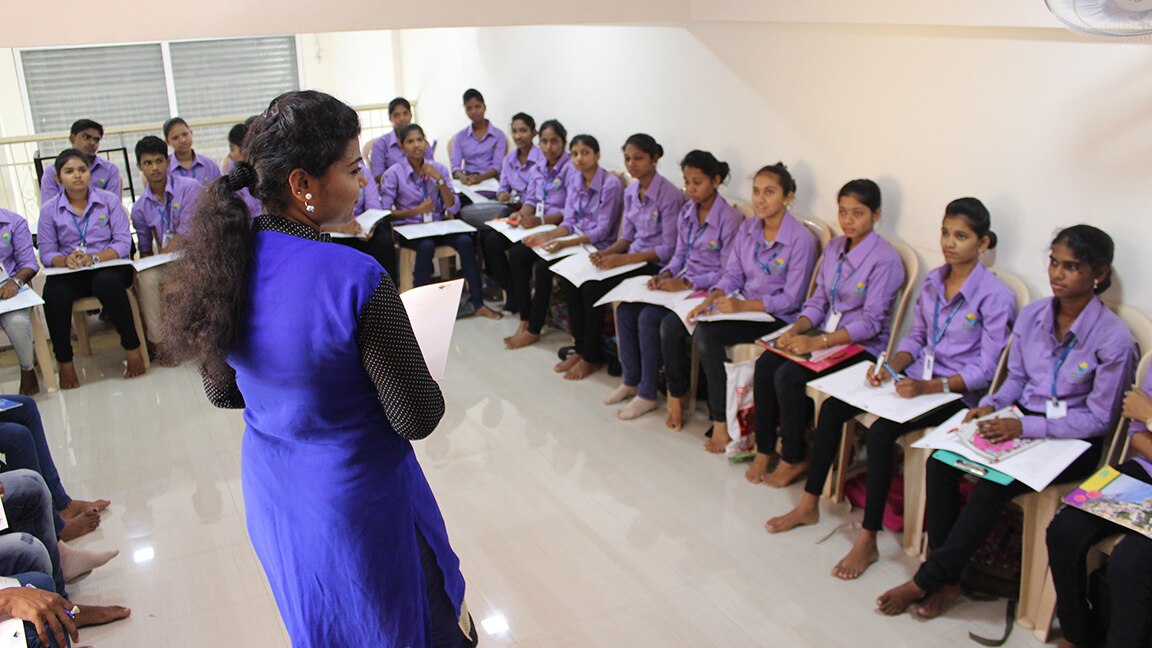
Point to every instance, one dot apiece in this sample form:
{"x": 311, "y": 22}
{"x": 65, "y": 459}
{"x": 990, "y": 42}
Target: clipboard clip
{"x": 972, "y": 468}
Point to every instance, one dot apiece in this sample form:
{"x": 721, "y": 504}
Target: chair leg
{"x": 840, "y": 469}
{"x": 693, "y": 384}
{"x": 1039, "y": 509}
{"x": 407, "y": 261}
{"x": 80, "y": 324}
{"x": 43, "y": 351}
{"x": 915, "y": 463}
{"x": 139, "y": 323}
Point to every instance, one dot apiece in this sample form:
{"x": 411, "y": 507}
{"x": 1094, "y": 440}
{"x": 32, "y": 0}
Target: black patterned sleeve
{"x": 412, "y": 400}
{"x": 225, "y": 395}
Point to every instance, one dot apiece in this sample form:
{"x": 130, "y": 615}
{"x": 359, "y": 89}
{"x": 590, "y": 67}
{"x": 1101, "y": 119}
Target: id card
{"x": 1055, "y": 409}
{"x": 833, "y": 321}
{"x": 929, "y": 365}
{"x": 540, "y": 210}
{"x": 3, "y": 515}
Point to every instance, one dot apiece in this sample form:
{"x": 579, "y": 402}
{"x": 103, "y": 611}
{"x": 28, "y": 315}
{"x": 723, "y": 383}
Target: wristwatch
{"x": 440, "y": 182}
{"x": 95, "y": 259}
{"x": 19, "y": 284}
{"x": 945, "y": 387}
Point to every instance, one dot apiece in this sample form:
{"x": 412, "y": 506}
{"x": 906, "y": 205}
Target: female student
{"x": 1070, "y": 360}
{"x": 377, "y": 243}
{"x": 416, "y": 191}
{"x": 478, "y": 150}
{"x": 591, "y": 216}
{"x": 1073, "y": 532}
{"x": 857, "y": 283}
{"x": 236, "y": 154}
{"x": 543, "y": 204}
{"x": 386, "y": 149}
{"x": 647, "y": 235}
{"x": 769, "y": 270}
{"x": 80, "y": 228}
{"x": 185, "y": 162}
{"x": 961, "y": 323}
{"x": 651, "y": 336}
{"x": 18, "y": 264}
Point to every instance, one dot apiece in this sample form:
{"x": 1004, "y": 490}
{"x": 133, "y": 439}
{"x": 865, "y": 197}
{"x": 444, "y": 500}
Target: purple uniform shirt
{"x": 865, "y": 282}
{"x": 1138, "y": 426}
{"x": 103, "y": 223}
{"x": 594, "y": 211}
{"x": 965, "y": 334}
{"x": 777, "y": 273}
{"x": 153, "y": 217}
{"x": 518, "y": 177}
{"x": 701, "y": 249}
{"x": 369, "y": 195}
{"x": 105, "y": 176}
{"x": 471, "y": 155}
{"x": 386, "y": 151}
{"x": 1092, "y": 367}
{"x": 16, "y": 243}
{"x": 650, "y": 222}
{"x": 255, "y": 207}
{"x": 401, "y": 188}
{"x": 203, "y": 170}
{"x": 550, "y": 186}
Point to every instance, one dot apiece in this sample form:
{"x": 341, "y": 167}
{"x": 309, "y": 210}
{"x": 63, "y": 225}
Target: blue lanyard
{"x": 836, "y": 282}
{"x": 581, "y": 205}
{"x": 766, "y": 266}
{"x": 692, "y": 243}
{"x": 937, "y": 332}
{"x": 82, "y": 231}
{"x": 165, "y": 219}
{"x": 1060, "y": 363}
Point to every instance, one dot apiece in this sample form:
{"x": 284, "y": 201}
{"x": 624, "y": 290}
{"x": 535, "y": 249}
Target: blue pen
{"x": 895, "y": 376}
{"x": 730, "y": 295}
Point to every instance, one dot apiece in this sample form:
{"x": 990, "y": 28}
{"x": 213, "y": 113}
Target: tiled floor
{"x": 574, "y": 528}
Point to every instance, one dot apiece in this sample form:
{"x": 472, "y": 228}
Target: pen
{"x": 731, "y": 295}
{"x": 881, "y": 360}
{"x": 895, "y": 376}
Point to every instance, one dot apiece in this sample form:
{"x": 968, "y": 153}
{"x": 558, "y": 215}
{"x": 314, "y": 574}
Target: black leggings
{"x": 444, "y": 631}
{"x": 1070, "y": 536}
{"x": 495, "y": 246}
{"x": 710, "y": 339}
{"x": 587, "y": 320}
{"x": 109, "y": 285}
{"x": 381, "y": 247}
{"x": 880, "y": 439}
{"x": 533, "y": 306}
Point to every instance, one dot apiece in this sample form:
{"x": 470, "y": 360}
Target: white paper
{"x": 635, "y": 289}
{"x": 563, "y": 252}
{"x": 850, "y": 385}
{"x": 432, "y": 311}
{"x": 491, "y": 184}
{"x": 3, "y": 515}
{"x": 517, "y": 234}
{"x": 48, "y": 272}
{"x": 742, "y": 316}
{"x": 26, "y": 298}
{"x": 579, "y": 269}
{"x": 435, "y": 228}
{"x": 1036, "y": 468}
{"x": 155, "y": 260}
{"x": 367, "y": 221}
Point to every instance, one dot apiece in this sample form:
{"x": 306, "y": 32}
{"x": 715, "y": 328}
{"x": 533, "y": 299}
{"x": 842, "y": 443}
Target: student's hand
{"x": 48, "y": 611}
{"x": 9, "y": 290}
{"x": 530, "y": 221}
{"x": 471, "y": 179}
{"x": 909, "y": 388}
{"x": 786, "y": 338}
{"x": 654, "y": 282}
{"x": 76, "y": 259}
{"x": 728, "y": 304}
{"x": 606, "y": 261}
{"x": 877, "y": 378}
{"x": 699, "y": 310}
{"x": 977, "y": 412}
{"x": 553, "y": 245}
{"x": 425, "y": 207}
{"x": 503, "y": 197}
{"x": 1138, "y": 405}
{"x": 429, "y": 170}
{"x": 803, "y": 345}
{"x": 999, "y": 430}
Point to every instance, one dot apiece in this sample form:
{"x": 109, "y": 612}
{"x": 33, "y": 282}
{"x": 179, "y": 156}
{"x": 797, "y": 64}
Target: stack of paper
{"x": 563, "y": 252}
{"x": 851, "y": 386}
{"x": 476, "y": 192}
{"x": 367, "y": 221}
{"x": 435, "y": 228}
{"x": 26, "y": 298}
{"x": 579, "y": 269}
{"x": 517, "y": 234}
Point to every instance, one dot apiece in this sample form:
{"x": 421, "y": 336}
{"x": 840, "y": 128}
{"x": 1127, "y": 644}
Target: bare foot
{"x": 135, "y": 363}
{"x": 719, "y": 441}
{"x": 76, "y": 507}
{"x": 799, "y": 516}
{"x": 582, "y": 370}
{"x": 620, "y": 394}
{"x": 80, "y": 525}
{"x": 759, "y": 468}
{"x": 675, "y": 420}
{"x": 565, "y": 365}
{"x": 68, "y": 377}
{"x": 933, "y": 604}
{"x": 786, "y": 473}
{"x": 484, "y": 311}
{"x": 521, "y": 339}
{"x": 29, "y": 385}
{"x": 91, "y": 615}
{"x": 636, "y": 408}
{"x": 897, "y": 599}
{"x": 863, "y": 553}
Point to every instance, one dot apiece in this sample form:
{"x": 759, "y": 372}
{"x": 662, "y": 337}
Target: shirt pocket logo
{"x": 6, "y": 239}
{"x": 102, "y": 219}
{"x": 713, "y": 245}
{"x": 1081, "y": 373}
{"x": 972, "y": 322}
{"x": 861, "y": 288}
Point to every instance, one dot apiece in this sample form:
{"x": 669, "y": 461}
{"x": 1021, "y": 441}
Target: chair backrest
{"x": 820, "y": 229}
{"x": 744, "y": 207}
{"x": 625, "y": 179}
{"x": 1016, "y": 284}
{"x": 1138, "y": 323}
{"x": 451, "y": 143}
{"x": 904, "y": 295}
{"x": 1120, "y": 448}
{"x": 1001, "y": 372}
{"x": 366, "y": 151}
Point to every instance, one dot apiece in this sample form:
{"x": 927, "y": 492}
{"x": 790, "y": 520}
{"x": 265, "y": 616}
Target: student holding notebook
{"x": 1073, "y": 532}
{"x": 651, "y": 336}
{"x": 1070, "y": 360}
{"x": 855, "y": 288}
{"x": 768, "y": 272}
{"x": 961, "y": 323}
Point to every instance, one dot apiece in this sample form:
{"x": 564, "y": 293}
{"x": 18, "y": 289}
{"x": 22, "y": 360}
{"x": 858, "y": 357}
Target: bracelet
{"x": 824, "y": 336}
{"x": 1148, "y": 423}
{"x": 945, "y": 386}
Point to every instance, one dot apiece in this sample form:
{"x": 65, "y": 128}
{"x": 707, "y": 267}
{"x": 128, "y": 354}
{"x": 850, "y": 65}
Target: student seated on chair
{"x": 236, "y": 154}
{"x": 652, "y": 337}
{"x": 1074, "y": 531}
{"x": 961, "y": 323}
{"x": 1070, "y": 360}
{"x": 592, "y": 211}
{"x": 768, "y": 271}
{"x": 80, "y": 228}
{"x": 185, "y": 162}
{"x": 85, "y": 136}
{"x": 160, "y": 217}
{"x": 544, "y": 204}
{"x": 18, "y": 263}
{"x": 386, "y": 149}
{"x": 855, "y": 290}
{"x": 478, "y": 150}
{"x": 378, "y": 242}
{"x": 419, "y": 191}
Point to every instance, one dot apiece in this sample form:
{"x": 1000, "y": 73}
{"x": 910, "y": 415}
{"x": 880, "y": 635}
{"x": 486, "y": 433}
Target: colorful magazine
{"x": 1116, "y": 497}
{"x": 992, "y": 453}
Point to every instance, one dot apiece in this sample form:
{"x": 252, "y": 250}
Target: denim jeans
{"x": 640, "y": 333}
{"x": 42, "y": 581}
{"x": 29, "y": 542}
{"x": 464, "y": 246}
{"x": 24, "y": 445}
{"x": 17, "y": 326}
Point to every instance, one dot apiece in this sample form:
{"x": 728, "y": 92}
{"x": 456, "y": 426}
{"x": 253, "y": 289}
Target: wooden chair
{"x": 44, "y": 350}
{"x": 407, "y": 262}
{"x": 366, "y": 151}
{"x": 80, "y": 308}
{"x": 744, "y": 207}
{"x": 1037, "y": 595}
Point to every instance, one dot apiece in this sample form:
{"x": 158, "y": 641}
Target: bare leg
{"x": 68, "y": 377}
{"x": 135, "y": 363}
{"x": 806, "y": 512}
{"x": 719, "y": 441}
{"x": 896, "y": 600}
{"x": 675, "y": 420}
{"x": 864, "y": 552}
{"x": 786, "y": 473}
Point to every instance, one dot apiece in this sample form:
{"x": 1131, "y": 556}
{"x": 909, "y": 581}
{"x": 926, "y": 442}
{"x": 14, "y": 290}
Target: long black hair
{"x": 208, "y": 288}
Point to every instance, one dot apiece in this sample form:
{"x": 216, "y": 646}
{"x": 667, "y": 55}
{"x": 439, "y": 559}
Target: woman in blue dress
{"x": 311, "y": 339}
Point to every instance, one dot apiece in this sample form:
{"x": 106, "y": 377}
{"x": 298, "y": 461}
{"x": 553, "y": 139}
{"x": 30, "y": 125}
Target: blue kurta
{"x": 334, "y": 496}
